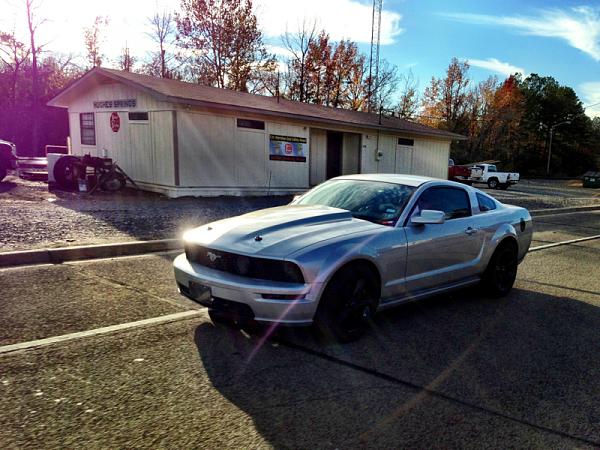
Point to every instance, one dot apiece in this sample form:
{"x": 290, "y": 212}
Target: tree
{"x": 32, "y": 25}
{"x": 13, "y": 55}
{"x": 223, "y": 40}
{"x": 445, "y": 100}
{"x": 408, "y": 105}
{"x": 93, "y": 39}
{"x": 163, "y": 34}
{"x": 126, "y": 61}
{"x": 298, "y": 45}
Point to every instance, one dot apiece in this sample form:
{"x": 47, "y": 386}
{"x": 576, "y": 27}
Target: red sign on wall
{"x": 115, "y": 122}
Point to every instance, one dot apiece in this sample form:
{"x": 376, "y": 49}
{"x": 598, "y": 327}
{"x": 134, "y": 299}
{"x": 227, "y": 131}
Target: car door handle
{"x": 471, "y": 231}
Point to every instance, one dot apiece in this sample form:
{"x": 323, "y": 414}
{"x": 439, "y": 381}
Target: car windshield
{"x": 375, "y": 201}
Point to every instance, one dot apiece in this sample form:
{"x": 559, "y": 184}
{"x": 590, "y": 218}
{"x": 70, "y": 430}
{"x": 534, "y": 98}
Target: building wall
{"x": 215, "y": 153}
{"x": 427, "y": 157}
{"x": 143, "y": 149}
{"x": 217, "y": 157}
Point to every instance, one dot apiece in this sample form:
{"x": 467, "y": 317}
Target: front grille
{"x": 259, "y": 268}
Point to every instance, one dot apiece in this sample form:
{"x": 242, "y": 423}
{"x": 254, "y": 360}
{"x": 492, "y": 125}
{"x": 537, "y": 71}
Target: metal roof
{"x": 176, "y": 91}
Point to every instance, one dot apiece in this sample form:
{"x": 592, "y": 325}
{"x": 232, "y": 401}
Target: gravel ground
{"x": 31, "y": 217}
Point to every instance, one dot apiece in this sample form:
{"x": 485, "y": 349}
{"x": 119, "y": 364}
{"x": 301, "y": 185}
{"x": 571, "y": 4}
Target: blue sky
{"x": 557, "y": 38}
{"x": 536, "y": 36}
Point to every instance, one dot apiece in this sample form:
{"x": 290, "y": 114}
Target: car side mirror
{"x": 428, "y": 216}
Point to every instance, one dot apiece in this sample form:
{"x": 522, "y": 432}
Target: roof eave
{"x": 56, "y": 101}
{"x": 186, "y": 101}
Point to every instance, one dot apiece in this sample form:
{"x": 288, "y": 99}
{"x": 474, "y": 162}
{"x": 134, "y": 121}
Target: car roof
{"x": 408, "y": 180}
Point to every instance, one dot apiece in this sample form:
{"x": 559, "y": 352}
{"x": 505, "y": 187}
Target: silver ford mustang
{"x": 351, "y": 247}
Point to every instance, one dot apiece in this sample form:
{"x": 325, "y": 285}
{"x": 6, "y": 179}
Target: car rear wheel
{"x": 501, "y": 271}
{"x": 493, "y": 183}
{"x": 503, "y": 186}
{"x": 348, "y": 304}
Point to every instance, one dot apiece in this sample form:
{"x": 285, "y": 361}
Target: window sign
{"x": 287, "y": 148}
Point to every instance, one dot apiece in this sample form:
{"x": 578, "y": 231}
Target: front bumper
{"x": 233, "y": 291}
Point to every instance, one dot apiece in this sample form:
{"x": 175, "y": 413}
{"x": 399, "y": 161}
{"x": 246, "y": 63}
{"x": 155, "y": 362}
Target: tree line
{"x": 219, "y": 43}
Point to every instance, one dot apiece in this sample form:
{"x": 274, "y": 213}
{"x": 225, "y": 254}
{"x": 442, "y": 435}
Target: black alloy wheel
{"x": 348, "y": 304}
{"x": 502, "y": 270}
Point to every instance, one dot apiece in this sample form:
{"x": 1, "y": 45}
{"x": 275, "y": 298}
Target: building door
{"x": 335, "y": 143}
{"x": 351, "y": 154}
{"x": 405, "y": 156}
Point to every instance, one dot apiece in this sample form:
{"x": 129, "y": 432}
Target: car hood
{"x": 277, "y": 232}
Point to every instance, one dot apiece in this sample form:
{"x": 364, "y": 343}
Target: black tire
{"x": 66, "y": 172}
{"x": 3, "y": 172}
{"x": 493, "y": 183}
{"x": 503, "y": 186}
{"x": 348, "y": 304}
{"x": 501, "y": 272}
{"x": 113, "y": 182}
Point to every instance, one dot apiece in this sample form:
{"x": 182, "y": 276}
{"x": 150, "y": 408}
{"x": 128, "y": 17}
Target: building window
{"x": 138, "y": 116}
{"x": 254, "y": 124}
{"x": 404, "y": 141}
{"x": 88, "y": 128}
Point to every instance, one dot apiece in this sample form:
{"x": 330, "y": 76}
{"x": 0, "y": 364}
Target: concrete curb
{"x": 64, "y": 254}
{"x": 552, "y": 211}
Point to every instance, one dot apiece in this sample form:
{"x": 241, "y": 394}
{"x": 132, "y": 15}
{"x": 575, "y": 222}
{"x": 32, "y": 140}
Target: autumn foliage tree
{"x": 222, "y": 41}
{"x": 330, "y": 73}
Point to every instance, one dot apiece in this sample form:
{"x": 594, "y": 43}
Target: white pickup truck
{"x": 495, "y": 179}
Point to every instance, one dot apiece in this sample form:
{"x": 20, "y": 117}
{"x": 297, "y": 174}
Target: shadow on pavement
{"x": 532, "y": 357}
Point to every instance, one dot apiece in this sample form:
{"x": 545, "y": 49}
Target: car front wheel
{"x": 348, "y": 304}
{"x": 501, "y": 271}
{"x": 493, "y": 183}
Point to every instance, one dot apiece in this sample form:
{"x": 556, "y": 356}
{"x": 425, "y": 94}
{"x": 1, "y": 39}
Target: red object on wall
{"x": 115, "y": 122}
{"x": 289, "y": 149}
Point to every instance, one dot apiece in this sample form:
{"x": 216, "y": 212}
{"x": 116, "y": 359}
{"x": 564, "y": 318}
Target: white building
{"x": 185, "y": 139}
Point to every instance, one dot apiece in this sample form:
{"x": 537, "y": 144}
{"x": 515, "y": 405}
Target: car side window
{"x": 454, "y": 202}
{"x": 485, "y": 203}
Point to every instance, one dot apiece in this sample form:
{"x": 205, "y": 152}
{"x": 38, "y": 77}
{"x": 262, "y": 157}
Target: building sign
{"x": 287, "y": 148}
{"x": 115, "y": 122}
{"x": 123, "y": 103}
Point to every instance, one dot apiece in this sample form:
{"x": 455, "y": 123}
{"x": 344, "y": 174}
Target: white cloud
{"x": 493, "y": 65}
{"x": 579, "y": 26}
{"x": 340, "y": 18}
{"x": 590, "y": 92}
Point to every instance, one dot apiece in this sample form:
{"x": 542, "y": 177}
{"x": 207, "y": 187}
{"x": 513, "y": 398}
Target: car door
{"x": 438, "y": 254}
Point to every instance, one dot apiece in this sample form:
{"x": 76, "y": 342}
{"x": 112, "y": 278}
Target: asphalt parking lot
{"x": 457, "y": 371}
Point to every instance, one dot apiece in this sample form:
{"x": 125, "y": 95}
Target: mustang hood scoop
{"x": 277, "y": 232}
